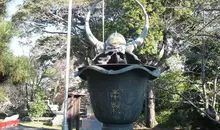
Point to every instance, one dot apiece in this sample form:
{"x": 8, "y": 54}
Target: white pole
{"x": 103, "y": 21}
{"x": 65, "y": 125}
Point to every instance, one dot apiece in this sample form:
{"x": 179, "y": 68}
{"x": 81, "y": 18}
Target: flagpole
{"x": 65, "y": 124}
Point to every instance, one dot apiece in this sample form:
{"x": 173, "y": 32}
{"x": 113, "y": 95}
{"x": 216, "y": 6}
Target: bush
{"x": 163, "y": 118}
{"x": 38, "y": 107}
{"x": 184, "y": 116}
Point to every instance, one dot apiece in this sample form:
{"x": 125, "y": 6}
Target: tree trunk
{"x": 32, "y": 93}
{"x": 203, "y": 78}
{"x": 150, "y": 117}
{"x": 55, "y": 90}
{"x": 214, "y": 89}
{"x": 26, "y": 91}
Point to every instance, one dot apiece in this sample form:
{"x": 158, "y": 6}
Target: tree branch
{"x": 51, "y": 32}
{"x": 204, "y": 112}
{"x": 191, "y": 36}
{"x": 207, "y": 35}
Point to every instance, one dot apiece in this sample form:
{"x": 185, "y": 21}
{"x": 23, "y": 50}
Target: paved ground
{"x": 25, "y": 128}
{"x": 20, "y": 128}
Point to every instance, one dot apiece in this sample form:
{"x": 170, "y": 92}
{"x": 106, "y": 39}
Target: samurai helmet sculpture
{"x": 116, "y": 42}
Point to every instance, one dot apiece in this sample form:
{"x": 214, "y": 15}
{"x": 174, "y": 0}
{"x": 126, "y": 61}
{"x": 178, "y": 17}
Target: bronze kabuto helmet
{"x": 102, "y": 46}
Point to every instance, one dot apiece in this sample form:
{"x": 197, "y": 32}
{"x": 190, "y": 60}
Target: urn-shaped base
{"x": 117, "y": 93}
{"x": 117, "y": 99}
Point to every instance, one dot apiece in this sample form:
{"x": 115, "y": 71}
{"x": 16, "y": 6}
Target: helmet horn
{"x": 141, "y": 38}
{"x": 94, "y": 41}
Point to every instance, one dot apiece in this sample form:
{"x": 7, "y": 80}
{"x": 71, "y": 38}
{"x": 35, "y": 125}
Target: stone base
{"x": 117, "y": 127}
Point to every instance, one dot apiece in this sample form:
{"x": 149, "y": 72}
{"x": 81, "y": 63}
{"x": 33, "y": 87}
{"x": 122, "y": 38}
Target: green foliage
{"x": 163, "y": 118}
{"x": 38, "y": 107}
{"x": 171, "y": 108}
{"x": 2, "y": 7}
{"x": 141, "y": 118}
{"x": 171, "y": 81}
{"x": 175, "y": 63}
{"x": 50, "y": 72}
{"x": 17, "y": 69}
{"x": 128, "y": 20}
{"x": 184, "y": 115}
{"x": 6, "y": 31}
{"x": 21, "y": 70}
{"x": 31, "y": 7}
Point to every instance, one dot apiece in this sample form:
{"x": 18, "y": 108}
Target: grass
{"x": 36, "y": 124}
{"x": 39, "y": 125}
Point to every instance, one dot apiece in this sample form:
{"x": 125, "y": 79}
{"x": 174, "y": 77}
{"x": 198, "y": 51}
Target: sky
{"x": 18, "y": 50}
{"x": 12, "y": 7}
{"x": 15, "y": 46}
